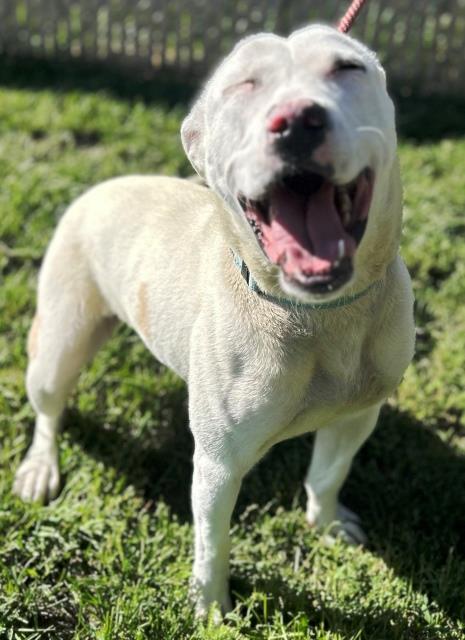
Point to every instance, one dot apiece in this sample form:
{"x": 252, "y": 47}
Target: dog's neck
{"x": 343, "y": 301}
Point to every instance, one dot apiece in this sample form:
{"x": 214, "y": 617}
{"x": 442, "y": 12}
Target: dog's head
{"x": 297, "y": 136}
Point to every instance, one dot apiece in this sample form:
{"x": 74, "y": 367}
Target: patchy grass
{"x": 110, "y": 558}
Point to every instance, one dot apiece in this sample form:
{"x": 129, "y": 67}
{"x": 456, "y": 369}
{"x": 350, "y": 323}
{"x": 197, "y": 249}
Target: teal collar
{"x": 343, "y": 301}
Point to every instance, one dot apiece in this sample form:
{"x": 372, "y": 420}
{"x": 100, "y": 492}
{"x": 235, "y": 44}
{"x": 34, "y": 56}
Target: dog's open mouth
{"x": 311, "y": 226}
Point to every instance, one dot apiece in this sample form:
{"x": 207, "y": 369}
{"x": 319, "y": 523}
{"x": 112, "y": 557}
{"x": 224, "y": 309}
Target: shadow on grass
{"x": 160, "y": 87}
{"x": 426, "y": 119}
{"x": 419, "y": 118}
{"x": 406, "y": 483}
{"x": 158, "y": 463}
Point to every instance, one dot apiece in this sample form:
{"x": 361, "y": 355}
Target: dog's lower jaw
{"x": 303, "y": 294}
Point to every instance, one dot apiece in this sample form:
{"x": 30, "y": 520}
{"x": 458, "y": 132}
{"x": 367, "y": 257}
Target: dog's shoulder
{"x": 392, "y": 344}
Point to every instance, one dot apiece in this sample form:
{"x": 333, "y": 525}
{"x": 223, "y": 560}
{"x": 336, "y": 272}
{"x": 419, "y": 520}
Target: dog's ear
{"x": 192, "y": 136}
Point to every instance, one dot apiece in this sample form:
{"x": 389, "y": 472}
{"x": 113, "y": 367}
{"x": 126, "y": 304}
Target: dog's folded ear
{"x": 192, "y": 136}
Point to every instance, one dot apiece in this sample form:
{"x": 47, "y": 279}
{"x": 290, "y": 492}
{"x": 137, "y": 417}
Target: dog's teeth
{"x": 341, "y": 249}
{"x": 345, "y": 204}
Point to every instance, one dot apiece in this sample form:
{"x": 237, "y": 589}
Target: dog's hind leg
{"x": 334, "y": 448}
{"x": 71, "y": 323}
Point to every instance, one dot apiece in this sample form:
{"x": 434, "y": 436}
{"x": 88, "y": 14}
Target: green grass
{"x": 110, "y": 558}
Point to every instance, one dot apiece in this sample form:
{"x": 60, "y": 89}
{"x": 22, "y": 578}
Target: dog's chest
{"x": 345, "y": 374}
{"x": 342, "y": 377}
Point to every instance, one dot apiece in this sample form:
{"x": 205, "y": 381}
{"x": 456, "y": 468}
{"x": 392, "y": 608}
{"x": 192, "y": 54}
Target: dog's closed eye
{"x": 342, "y": 65}
{"x": 243, "y": 86}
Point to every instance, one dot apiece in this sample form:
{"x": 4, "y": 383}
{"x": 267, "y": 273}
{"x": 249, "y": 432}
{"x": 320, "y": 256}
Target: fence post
{"x": 284, "y": 17}
{"x": 6, "y": 10}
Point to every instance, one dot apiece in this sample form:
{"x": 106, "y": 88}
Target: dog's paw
{"x": 208, "y": 607}
{"x": 346, "y": 525}
{"x": 38, "y": 477}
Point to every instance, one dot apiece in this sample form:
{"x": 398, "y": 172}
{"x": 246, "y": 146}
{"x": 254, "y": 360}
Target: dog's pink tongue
{"x": 304, "y": 235}
{"x": 329, "y": 238}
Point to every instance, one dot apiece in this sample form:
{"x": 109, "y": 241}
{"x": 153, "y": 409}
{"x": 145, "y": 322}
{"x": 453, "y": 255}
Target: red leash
{"x": 348, "y": 18}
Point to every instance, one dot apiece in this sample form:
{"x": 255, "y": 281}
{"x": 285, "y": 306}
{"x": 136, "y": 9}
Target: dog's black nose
{"x": 297, "y": 129}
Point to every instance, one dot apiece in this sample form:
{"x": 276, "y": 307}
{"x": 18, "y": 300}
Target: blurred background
{"x": 422, "y": 44}
{"x": 92, "y": 89}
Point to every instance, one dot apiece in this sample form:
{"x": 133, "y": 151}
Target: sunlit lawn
{"x": 110, "y": 558}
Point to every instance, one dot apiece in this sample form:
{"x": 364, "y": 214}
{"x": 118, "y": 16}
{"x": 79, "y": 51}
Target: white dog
{"x": 278, "y": 294}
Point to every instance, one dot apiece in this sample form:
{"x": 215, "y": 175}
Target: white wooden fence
{"x": 421, "y": 42}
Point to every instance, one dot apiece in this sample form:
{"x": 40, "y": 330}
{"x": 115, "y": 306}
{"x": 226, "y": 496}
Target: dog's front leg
{"x": 214, "y": 492}
{"x": 334, "y": 449}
